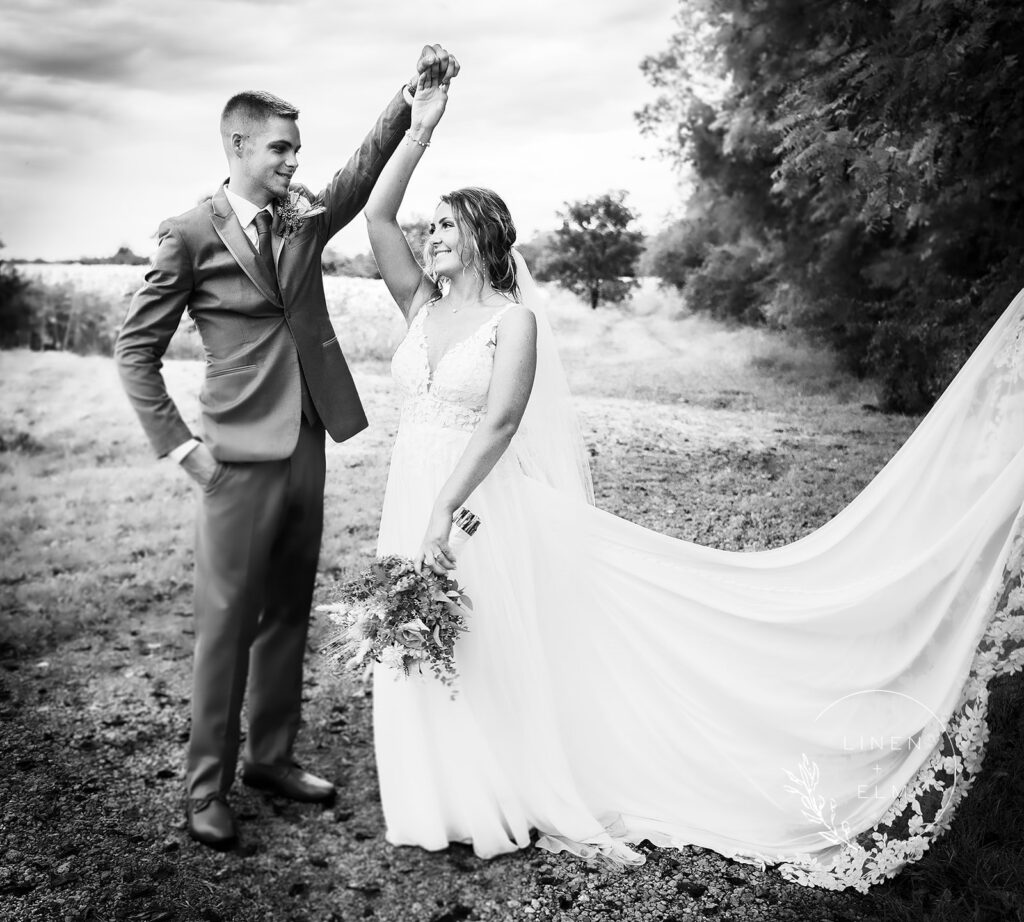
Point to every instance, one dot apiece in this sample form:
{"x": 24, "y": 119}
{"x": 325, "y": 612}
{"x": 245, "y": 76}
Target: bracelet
{"x": 407, "y": 94}
{"x": 423, "y": 144}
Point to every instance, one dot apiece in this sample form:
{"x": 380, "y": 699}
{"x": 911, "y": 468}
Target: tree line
{"x": 856, "y": 171}
{"x": 855, "y": 176}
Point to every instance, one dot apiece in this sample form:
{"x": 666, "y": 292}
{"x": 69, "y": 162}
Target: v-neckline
{"x": 424, "y": 339}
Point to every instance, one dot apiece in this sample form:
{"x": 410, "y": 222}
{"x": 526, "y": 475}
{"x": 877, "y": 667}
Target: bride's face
{"x": 446, "y": 245}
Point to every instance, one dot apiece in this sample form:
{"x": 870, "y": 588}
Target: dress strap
{"x": 417, "y": 326}
{"x": 422, "y": 312}
{"x": 492, "y": 324}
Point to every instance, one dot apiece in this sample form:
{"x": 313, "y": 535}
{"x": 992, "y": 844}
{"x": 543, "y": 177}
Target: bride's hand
{"x": 435, "y": 552}
{"x": 431, "y": 96}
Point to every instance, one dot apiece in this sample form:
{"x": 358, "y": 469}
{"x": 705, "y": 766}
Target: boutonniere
{"x": 293, "y": 210}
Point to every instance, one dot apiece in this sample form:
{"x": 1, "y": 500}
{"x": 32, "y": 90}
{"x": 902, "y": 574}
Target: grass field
{"x": 734, "y": 438}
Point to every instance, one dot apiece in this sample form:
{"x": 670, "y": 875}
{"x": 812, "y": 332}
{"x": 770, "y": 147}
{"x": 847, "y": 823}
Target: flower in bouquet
{"x": 411, "y": 634}
{"x": 364, "y": 647}
{"x": 394, "y": 656}
{"x": 360, "y": 621}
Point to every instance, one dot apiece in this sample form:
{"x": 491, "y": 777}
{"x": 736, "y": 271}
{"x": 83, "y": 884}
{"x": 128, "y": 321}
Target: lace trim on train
{"x": 1010, "y": 358}
{"x": 925, "y": 808}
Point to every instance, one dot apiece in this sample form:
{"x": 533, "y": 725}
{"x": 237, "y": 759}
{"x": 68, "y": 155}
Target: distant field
{"x": 367, "y": 322}
{"x": 649, "y": 346}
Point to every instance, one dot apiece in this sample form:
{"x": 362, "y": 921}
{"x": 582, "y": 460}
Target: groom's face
{"x": 269, "y": 156}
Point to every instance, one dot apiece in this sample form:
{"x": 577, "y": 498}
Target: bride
{"x": 819, "y": 707}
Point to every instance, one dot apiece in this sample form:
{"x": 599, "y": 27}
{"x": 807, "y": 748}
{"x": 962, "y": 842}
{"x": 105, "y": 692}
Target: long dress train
{"x": 820, "y": 706}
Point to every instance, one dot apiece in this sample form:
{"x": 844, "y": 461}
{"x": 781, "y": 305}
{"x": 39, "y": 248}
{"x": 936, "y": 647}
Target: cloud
{"x": 121, "y": 44}
{"x": 119, "y": 91}
{"x": 83, "y": 58}
{"x": 40, "y": 98}
{"x": 90, "y": 43}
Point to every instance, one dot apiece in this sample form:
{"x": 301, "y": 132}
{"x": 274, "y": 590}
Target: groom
{"x": 246, "y": 266}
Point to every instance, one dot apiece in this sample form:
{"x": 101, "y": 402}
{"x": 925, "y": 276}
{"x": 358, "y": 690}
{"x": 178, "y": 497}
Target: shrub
{"x": 675, "y": 252}
{"x": 66, "y": 318}
{"x": 15, "y": 308}
{"x": 730, "y": 284}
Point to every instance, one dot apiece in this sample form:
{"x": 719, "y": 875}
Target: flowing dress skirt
{"x": 819, "y": 706}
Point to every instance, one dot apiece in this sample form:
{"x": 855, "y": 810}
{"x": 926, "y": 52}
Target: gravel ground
{"x": 92, "y": 825}
{"x": 93, "y": 726}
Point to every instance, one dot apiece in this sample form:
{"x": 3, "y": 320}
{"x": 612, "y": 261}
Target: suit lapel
{"x": 230, "y": 232}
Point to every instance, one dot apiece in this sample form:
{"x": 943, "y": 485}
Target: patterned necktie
{"x": 266, "y": 245}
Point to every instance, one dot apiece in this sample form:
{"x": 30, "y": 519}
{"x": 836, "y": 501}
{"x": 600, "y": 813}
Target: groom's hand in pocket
{"x": 200, "y": 464}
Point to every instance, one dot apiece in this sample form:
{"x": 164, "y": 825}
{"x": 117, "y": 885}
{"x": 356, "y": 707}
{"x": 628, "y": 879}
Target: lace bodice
{"x": 454, "y": 395}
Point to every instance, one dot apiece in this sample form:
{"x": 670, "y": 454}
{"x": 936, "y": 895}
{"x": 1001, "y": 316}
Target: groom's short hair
{"x": 249, "y": 106}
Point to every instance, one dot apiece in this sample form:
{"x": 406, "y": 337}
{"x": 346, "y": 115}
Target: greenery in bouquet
{"x": 392, "y": 615}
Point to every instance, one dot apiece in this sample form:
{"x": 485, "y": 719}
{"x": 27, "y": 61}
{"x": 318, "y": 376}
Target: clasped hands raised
{"x": 435, "y": 70}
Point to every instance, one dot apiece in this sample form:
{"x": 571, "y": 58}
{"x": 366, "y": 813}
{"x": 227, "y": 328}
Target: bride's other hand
{"x": 435, "y": 551}
{"x": 428, "y": 104}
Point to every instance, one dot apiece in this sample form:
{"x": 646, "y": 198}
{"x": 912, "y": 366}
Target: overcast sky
{"x": 109, "y": 108}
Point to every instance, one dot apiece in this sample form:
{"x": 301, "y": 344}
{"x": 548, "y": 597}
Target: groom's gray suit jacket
{"x": 257, "y": 341}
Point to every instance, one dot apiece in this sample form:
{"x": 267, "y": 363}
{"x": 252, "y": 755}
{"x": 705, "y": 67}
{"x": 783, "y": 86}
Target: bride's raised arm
{"x": 395, "y": 260}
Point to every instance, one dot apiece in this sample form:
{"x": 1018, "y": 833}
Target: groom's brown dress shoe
{"x": 211, "y": 821}
{"x": 290, "y": 781}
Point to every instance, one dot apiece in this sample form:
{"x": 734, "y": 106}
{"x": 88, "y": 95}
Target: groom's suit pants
{"x": 257, "y": 545}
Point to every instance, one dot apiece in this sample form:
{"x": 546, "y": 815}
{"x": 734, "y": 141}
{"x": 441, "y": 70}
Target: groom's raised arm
{"x": 348, "y": 191}
{"x": 145, "y": 334}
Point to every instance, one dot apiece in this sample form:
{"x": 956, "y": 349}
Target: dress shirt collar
{"x": 244, "y": 209}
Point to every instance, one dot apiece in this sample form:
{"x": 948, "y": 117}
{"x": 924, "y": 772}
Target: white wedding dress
{"x": 820, "y": 707}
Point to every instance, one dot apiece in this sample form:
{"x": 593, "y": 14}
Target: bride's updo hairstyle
{"x": 486, "y": 232}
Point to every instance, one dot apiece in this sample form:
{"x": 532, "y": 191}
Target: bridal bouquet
{"x": 391, "y": 614}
